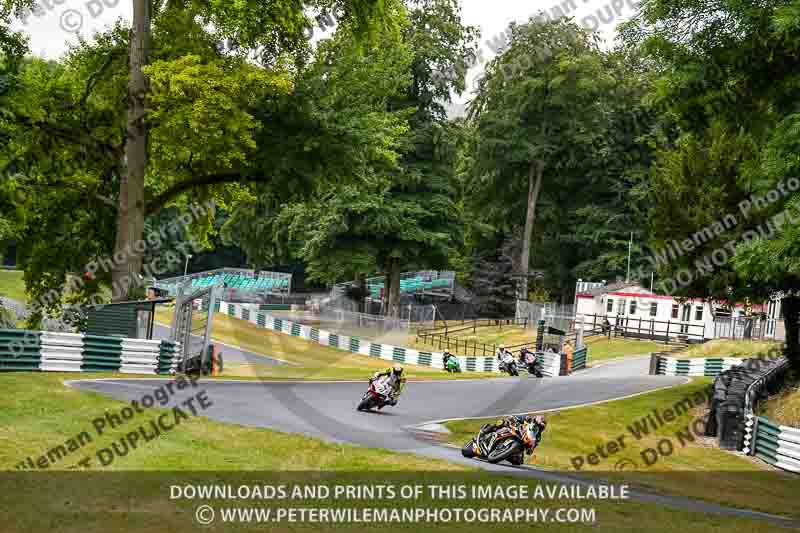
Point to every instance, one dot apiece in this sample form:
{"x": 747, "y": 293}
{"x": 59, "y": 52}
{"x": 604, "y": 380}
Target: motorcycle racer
{"x": 395, "y": 380}
{"x": 539, "y": 422}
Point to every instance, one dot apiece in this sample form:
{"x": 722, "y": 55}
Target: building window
{"x": 653, "y": 309}
{"x": 610, "y": 306}
{"x": 633, "y": 307}
{"x": 674, "y": 310}
{"x": 698, "y": 313}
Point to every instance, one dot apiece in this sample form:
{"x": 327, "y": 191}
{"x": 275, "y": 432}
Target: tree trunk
{"x": 387, "y": 285}
{"x": 392, "y": 290}
{"x": 791, "y": 315}
{"x": 128, "y": 250}
{"x": 361, "y": 283}
{"x": 534, "y": 186}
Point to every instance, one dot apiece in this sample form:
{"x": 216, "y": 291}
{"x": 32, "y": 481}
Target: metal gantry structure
{"x": 191, "y": 324}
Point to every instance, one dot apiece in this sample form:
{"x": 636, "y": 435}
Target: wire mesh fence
{"x": 561, "y": 316}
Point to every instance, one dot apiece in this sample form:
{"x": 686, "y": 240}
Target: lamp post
{"x": 186, "y": 266}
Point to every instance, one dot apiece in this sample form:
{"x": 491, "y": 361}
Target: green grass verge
{"x": 12, "y": 285}
{"x": 310, "y": 360}
{"x": 695, "y": 468}
{"x": 602, "y": 348}
{"x": 38, "y": 412}
{"x": 728, "y": 348}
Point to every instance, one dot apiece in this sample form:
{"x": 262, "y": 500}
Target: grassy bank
{"x": 694, "y": 468}
{"x": 728, "y": 348}
{"x": 784, "y": 408}
{"x": 602, "y": 348}
{"x": 37, "y": 412}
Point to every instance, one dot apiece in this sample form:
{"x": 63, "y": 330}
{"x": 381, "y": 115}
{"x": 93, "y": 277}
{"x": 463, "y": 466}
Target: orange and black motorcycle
{"x": 508, "y": 443}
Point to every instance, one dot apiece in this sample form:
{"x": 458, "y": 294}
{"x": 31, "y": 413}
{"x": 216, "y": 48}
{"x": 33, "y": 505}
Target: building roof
{"x": 612, "y": 287}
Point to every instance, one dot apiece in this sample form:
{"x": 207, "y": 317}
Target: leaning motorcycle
{"x": 509, "y": 365}
{"x": 453, "y": 365}
{"x": 509, "y": 443}
{"x": 378, "y": 395}
{"x": 533, "y": 365}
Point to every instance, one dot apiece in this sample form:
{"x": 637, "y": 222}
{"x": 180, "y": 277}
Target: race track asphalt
{"x": 327, "y": 410}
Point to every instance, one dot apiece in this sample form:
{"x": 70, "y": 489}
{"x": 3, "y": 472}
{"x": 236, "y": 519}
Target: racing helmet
{"x": 502, "y": 347}
{"x": 397, "y": 370}
{"x": 540, "y": 421}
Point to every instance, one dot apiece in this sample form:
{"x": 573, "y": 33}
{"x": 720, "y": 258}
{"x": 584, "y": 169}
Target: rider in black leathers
{"x": 515, "y": 420}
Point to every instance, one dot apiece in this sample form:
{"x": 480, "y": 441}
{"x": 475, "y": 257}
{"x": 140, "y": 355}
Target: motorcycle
{"x": 509, "y": 365}
{"x": 509, "y": 443}
{"x": 532, "y": 364}
{"x": 378, "y": 395}
{"x": 452, "y": 365}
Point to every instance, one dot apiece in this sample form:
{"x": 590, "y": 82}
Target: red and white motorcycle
{"x": 379, "y": 394}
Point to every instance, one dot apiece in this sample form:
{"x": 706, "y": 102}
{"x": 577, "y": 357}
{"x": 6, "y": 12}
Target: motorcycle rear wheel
{"x": 504, "y": 451}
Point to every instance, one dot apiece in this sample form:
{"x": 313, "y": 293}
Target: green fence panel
{"x": 399, "y": 355}
{"x": 766, "y": 458}
{"x": 274, "y": 307}
{"x": 375, "y": 350}
{"x": 579, "y": 359}
{"x": 333, "y": 340}
{"x": 425, "y": 358}
{"x": 296, "y": 329}
{"x": 355, "y": 344}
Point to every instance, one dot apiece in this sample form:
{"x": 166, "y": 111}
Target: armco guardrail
{"x": 710, "y": 367}
{"x": 31, "y": 351}
{"x": 551, "y": 363}
{"x": 772, "y": 443}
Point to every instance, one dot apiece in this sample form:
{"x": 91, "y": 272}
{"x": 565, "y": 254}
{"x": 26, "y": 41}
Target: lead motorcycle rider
{"x": 395, "y": 379}
{"x": 534, "y": 368}
{"x": 514, "y": 420}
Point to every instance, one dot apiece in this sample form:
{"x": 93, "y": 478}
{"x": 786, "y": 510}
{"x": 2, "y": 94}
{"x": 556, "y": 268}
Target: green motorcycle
{"x": 451, "y": 363}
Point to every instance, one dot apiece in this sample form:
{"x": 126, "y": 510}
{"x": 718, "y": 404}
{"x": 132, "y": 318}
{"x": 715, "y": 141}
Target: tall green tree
{"x": 396, "y": 212}
{"x": 189, "y": 137}
{"x": 728, "y": 75}
{"x": 538, "y": 113}
{"x": 172, "y": 32}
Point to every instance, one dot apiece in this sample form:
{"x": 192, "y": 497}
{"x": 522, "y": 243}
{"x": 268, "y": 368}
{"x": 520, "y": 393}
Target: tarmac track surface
{"x": 327, "y": 410}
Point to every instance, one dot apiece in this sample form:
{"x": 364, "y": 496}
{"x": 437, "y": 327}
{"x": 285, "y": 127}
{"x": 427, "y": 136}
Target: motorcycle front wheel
{"x": 365, "y": 404}
{"x": 468, "y": 450}
{"x": 504, "y": 450}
